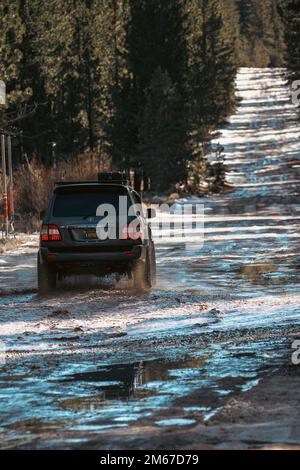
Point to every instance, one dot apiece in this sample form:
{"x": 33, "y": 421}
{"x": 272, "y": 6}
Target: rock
{"x": 79, "y": 329}
{"x": 59, "y": 313}
{"x": 66, "y": 338}
{"x": 215, "y": 311}
{"x": 203, "y": 307}
{"x": 120, "y": 334}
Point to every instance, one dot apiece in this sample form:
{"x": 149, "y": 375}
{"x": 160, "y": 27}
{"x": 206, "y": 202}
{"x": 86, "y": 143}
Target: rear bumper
{"x": 101, "y": 258}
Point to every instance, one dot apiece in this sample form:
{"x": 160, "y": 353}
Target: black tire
{"x": 142, "y": 275}
{"x": 47, "y": 279}
{"x": 153, "y": 266}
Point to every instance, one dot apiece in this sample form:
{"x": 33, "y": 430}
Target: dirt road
{"x": 205, "y": 359}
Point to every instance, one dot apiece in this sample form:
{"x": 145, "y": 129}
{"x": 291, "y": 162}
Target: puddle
{"x": 125, "y": 381}
{"x": 17, "y": 299}
{"x": 176, "y": 422}
{"x": 95, "y": 399}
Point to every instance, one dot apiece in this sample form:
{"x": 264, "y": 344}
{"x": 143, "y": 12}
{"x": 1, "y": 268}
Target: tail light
{"x": 131, "y": 232}
{"x": 50, "y": 233}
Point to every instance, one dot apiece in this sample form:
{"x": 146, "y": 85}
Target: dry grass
{"x": 34, "y": 184}
{"x": 9, "y": 244}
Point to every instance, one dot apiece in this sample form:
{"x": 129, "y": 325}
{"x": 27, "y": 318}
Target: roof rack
{"x": 70, "y": 183}
{"x": 117, "y": 177}
{"x": 103, "y": 178}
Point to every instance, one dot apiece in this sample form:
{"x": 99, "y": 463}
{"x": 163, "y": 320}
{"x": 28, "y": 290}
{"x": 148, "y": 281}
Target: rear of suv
{"x": 97, "y": 228}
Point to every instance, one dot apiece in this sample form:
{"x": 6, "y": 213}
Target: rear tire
{"x": 153, "y": 266}
{"x": 144, "y": 272}
{"x": 141, "y": 275}
{"x": 47, "y": 279}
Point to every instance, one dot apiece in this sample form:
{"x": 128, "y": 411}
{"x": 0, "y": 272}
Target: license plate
{"x": 91, "y": 235}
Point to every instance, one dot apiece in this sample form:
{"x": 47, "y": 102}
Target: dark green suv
{"x": 96, "y": 228}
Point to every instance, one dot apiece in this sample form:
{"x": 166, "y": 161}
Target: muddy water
{"x": 222, "y": 318}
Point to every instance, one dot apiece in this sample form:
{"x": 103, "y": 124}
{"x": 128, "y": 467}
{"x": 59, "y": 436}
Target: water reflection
{"x": 123, "y": 381}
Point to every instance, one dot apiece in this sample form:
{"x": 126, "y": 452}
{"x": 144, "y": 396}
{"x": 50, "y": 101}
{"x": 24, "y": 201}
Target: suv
{"x": 96, "y": 228}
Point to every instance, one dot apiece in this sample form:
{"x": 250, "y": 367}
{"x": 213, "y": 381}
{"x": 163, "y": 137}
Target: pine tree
{"x": 290, "y": 10}
{"x": 155, "y": 41}
{"x": 262, "y": 41}
{"x": 36, "y": 130}
{"x": 212, "y": 69}
{"x": 277, "y": 42}
{"x": 163, "y": 146}
{"x": 117, "y": 86}
{"x": 232, "y": 27}
{"x": 103, "y": 63}
{"x": 11, "y": 37}
{"x": 57, "y": 48}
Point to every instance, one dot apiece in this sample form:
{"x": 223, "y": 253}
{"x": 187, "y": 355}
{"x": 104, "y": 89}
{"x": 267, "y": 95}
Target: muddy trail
{"x": 202, "y": 361}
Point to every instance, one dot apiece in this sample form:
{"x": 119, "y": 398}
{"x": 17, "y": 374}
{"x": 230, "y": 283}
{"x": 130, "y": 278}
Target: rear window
{"x": 84, "y": 202}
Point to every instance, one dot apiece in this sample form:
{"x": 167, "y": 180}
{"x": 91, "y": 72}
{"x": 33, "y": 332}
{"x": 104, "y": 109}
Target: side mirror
{"x": 151, "y": 213}
{"x": 42, "y": 214}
